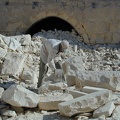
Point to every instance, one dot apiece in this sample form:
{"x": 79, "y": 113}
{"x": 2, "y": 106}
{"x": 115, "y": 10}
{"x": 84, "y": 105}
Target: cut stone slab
{"x": 86, "y": 103}
{"x": 13, "y": 64}
{"x": 75, "y": 93}
{"x": 18, "y": 96}
{"x": 104, "y": 110}
{"x": 88, "y": 89}
{"x": 102, "y": 79}
{"x": 50, "y": 100}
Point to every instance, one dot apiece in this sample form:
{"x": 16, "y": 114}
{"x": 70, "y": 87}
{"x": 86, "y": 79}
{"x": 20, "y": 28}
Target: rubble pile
{"x": 85, "y": 88}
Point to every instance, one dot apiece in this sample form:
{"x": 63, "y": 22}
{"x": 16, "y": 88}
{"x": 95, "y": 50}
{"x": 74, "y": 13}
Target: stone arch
{"x": 50, "y": 23}
{"x": 71, "y": 20}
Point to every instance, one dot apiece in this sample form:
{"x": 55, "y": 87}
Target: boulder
{"x": 13, "y": 63}
{"x": 70, "y": 67}
{"x": 18, "y": 96}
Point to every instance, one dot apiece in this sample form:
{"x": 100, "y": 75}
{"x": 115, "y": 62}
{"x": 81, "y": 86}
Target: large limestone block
{"x": 70, "y": 67}
{"x": 104, "y": 110}
{"x": 86, "y": 103}
{"x": 103, "y": 79}
{"x": 13, "y": 64}
{"x": 88, "y": 89}
{"x": 23, "y": 39}
{"x": 11, "y": 43}
{"x": 50, "y": 100}
{"x": 18, "y": 96}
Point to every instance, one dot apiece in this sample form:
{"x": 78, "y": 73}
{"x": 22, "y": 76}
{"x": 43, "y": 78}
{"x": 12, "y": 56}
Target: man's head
{"x": 64, "y": 45}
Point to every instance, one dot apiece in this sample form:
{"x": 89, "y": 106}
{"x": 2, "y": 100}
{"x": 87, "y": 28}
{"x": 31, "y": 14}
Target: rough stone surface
{"x": 18, "y": 96}
{"x": 116, "y": 113}
{"x": 51, "y": 100}
{"x": 86, "y": 103}
{"x": 13, "y": 64}
{"x": 104, "y": 79}
{"x": 104, "y": 110}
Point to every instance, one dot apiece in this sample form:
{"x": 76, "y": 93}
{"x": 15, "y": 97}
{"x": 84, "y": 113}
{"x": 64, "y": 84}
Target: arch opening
{"x": 50, "y": 23}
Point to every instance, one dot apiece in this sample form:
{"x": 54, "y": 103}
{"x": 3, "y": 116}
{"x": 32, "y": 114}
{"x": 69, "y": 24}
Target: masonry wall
{"x": 98, "y": 21}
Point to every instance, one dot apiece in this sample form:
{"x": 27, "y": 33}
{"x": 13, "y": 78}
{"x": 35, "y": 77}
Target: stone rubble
{"x": 87, "y": 87}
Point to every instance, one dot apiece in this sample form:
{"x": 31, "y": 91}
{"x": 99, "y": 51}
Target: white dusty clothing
{"x": 49, "y": 51}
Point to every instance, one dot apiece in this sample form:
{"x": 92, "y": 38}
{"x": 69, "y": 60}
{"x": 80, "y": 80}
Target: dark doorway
{"x": 49, "y": 23}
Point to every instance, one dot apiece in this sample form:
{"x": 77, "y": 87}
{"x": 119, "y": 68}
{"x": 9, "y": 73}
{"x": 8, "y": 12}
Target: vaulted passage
{"x": 49, "y": 23}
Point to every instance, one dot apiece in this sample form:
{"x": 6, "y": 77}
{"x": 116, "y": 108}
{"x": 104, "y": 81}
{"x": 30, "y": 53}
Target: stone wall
{"x": 98, "y": 21}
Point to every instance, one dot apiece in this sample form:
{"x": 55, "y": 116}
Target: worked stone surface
{"x": 75, "y": 93}
{"x": 86, "y": 103}
{"x": 13, "y": 63}
{"x": 104, "y": 110}
{"x": 116, "y": 113}
{"x": 88, "y": 89}
{"x": 51, "y": 100}
{"x": 104, "y": 79}
{"x": 70, "y": 66}
{"x": 11, "y": 43}
{"x": 18, "y": 96}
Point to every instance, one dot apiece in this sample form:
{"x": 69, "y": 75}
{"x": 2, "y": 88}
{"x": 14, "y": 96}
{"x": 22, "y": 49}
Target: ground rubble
{"x": 85, "y": 88}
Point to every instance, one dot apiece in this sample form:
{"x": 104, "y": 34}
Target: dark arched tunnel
{"x": 49, "y": 23}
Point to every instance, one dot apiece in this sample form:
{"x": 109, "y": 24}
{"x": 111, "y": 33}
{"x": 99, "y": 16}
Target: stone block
{"x": 102, "y": 79}
{"x": 50, "y": 100}
{"x": 86, "y": 103}
{"x": 104, "y": 110}
{"x": 88, "y": 89}
{"x": 18, "y": 96}
{"x": 13, "y": 64}
{"x": 3, "y": 52}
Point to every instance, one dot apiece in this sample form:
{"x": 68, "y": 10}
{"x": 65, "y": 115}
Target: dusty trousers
{"x": 42, "y": 71}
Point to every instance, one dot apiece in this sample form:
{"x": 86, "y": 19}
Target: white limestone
{"x": 88, "y": 89}
{"x": 116, "y": 113}
{"x": 75, "y": 93}
{"x": 13, "y": 63}
{"x": 11, "y": 43}
{"x": 19, "y": 96}
{"x": 104, "y": 79}
{"x": 86, "y": 103}
{"x": 50, "y": 100}
{"x": 104, "y": 110}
